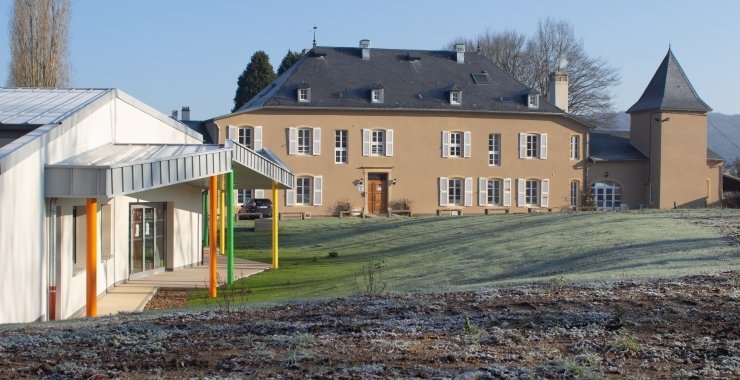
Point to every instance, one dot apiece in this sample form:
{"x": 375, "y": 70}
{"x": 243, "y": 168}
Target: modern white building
{"x": 63, "y": 151}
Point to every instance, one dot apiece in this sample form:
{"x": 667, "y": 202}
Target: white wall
{"x": 134, "y": 127}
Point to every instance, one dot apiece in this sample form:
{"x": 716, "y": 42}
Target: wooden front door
{"x": 377, "y": 193}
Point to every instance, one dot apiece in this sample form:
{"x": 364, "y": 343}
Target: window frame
{"x": 341, "y": 150}
{"x": 376, "y": 95}
{"x": 456, "y": 98}
{"x": 533, "y": 101}
{"x": 494, "y": 149}
{"x": 575, "y": 187}
{"x": 575, "y": 147}
{"x": 377, "y": 142}
{"x": 304, "y": 95}
{"x": 303, "y": 143}
{"x": 532, "y": 148}
{"x": 245, "y": 136}
{"x": 303, "y": 191}
{"x": 495, "y": 189}
{"x": 455, "y": 195}
{"x": 455, "y": 148}
{"x": 532, "y": 192}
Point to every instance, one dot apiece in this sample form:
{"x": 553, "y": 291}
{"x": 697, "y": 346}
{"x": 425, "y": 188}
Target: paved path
{"x": 134, "y": 294}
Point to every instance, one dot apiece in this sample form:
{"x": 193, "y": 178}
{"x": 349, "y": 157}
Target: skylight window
{"x": 481, "y": 78}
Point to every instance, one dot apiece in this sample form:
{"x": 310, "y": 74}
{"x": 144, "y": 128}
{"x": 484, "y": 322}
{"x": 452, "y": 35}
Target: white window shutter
{"x": 543, "y": 146}
{"x": 466, "y": 144}
{"x": 443, "y": 187}
{"x": 365, "y": 142}
{"x": 257, "y": 138}
{"x": 545, "y": 193}
{"x": 521, "y": 190}
{"x": 522, "y": 145}
{"x": 507, "y": 192}
{"x": 316, "y": 141}
{"x": 318, "y": 184}
{"x": 445, "y": 143}
{"x": 292, "y": 140}
{"x": 389, "y": 142}
{"x": 468, "y": 191}
{"x": 289, "y": 197}
{"x": 482, "y": 191}
{"x": 259, "y": 193}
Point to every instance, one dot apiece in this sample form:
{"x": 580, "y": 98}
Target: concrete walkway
{"x": 134, "y": 294}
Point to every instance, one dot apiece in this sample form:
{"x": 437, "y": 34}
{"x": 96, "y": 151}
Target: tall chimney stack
{"x": 365, "y": 46}
{"x": 185, "y": 113}
{"x": 460, "y": 50}
{"x": 558, "y": 89}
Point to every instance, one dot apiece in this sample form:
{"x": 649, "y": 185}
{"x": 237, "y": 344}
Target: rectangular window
{"x": 533, "y": 143}
{"x": 245, "y": 137}
{"x": 574, "y": 186}
{"x": 79, "y": 234}
{"x": 455, "y": 144}
{"x": 494, "y": 192}
{"x": 533, "y": 100}
{"x": 575, "y": 147}
{"x": 531, "y": 192}
{"x": 303, "y": 190}
{"x": 303, "y": 95}
{"x": 243, "y": 196}
{"x": 494, "y": 149}
{"x": 455, "y": 97}
{"x": 304, "y": 141}
{"x": 377, "y": 96}
{"x": 340, "y": 147}
{"x": 377, "y": 143}
{"x": 454, "y": 191}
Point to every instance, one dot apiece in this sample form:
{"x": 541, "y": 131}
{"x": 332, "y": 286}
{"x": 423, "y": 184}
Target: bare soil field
{"x": 682, "y": 327}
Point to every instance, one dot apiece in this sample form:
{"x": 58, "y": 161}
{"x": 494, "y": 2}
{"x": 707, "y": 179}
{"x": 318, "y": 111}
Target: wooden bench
{"x": 342, "y": 214}
{"x": 497, "y": 210}
{"x": 534, "y": 210}
{"x": 248, "y": 215}
{"x": 399, "y": 212}
{"x": 449, "y": 211}
{"x": 294, "y": 215}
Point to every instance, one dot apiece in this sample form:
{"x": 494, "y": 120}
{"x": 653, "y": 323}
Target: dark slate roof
{"x": 669, "y": 90}
{"x": 613, "y": 146}
{"x": 712, "y": 155}
{"x": 200, "y": 127}
{"x": 411, "y": 80}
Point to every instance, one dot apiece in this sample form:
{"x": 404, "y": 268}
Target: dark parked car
{"x": 256, "y": 206}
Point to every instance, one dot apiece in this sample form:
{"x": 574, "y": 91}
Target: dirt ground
{"x": 684, "y": 327}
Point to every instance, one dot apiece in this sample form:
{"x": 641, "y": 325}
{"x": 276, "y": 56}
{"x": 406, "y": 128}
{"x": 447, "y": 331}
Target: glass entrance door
{"x": 147, "y": 237}
{"x": 606, "y": 195}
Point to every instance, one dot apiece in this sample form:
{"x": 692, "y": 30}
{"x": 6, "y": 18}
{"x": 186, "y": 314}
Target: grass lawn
{"x": 456, "y": 253}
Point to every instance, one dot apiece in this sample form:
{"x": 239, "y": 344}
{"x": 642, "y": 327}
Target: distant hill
{"x": 724, "y": 130}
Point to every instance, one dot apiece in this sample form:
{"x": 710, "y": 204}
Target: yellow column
{"x": 275, "y": 214}
{"x": 212, "y": 246}
{"x": 92, "y": 257}
{"x": 222, "y": 241}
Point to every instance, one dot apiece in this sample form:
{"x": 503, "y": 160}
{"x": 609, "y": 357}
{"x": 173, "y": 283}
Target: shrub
{"x": 333, "y": 254}
{"x": 371, "y": 277}
{"x": 341, "y": 205}
{"x": 401, "y": 204}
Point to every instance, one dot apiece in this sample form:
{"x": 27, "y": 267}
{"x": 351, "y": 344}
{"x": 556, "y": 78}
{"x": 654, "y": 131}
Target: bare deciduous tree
{"x": 553, "y": 46}
{"x": 39, "y": 43}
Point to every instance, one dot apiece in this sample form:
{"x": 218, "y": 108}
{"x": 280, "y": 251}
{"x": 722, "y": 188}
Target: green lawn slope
{"x": 456, "y": 253}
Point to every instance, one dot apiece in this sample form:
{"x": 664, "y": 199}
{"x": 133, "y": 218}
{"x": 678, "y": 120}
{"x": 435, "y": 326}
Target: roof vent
{"x": 365, "y": 46}
{"x": 174, "y": 114}
{"x": 460, "y": 50}
{"x": 185, "y": 113}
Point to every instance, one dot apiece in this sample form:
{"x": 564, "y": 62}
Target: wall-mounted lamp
{"x": 393, "y": 181}
{"x": 606, "y": 174}
{"x": 358, "y": 182}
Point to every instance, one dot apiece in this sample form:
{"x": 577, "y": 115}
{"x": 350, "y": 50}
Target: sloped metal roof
{"x": 670, "y": 90}
{"x": 40, "y": 106}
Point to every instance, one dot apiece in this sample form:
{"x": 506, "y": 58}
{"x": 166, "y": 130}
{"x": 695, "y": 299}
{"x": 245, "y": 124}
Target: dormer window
{"x": 376, "y": 94}
{"x": 304, "y": 93}
{"x": 456, "y": 97}
{"x": 533, "y": 100}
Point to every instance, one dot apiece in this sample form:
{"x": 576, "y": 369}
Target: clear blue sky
{"x": 171, "y": 53}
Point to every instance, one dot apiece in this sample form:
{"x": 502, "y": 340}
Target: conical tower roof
{"x": 669, "y": 90}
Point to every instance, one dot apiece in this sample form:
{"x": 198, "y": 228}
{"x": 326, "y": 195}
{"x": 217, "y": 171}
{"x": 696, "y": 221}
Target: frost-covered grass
{"x": 455, "y": 253}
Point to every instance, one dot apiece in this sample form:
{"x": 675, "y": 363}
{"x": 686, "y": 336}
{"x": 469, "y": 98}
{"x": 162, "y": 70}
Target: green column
{"x": 230, "y": 226}
{"x": 205, "y": 219}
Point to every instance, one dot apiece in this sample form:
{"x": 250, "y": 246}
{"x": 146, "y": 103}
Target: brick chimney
{"x": 365, "y": 46}
{"x": 558, "y": 89}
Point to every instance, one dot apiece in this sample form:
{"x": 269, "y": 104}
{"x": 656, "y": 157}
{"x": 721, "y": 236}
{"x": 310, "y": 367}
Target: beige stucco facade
{"x": 417, "y": 163}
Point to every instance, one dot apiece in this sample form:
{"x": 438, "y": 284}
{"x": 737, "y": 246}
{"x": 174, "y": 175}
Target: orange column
{"x": 213, "y": 227}
{"x": 92, "y": 257}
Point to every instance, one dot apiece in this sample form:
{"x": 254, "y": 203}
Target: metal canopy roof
{"x": 112, "y": 170}
{"x": 40, "y": 106}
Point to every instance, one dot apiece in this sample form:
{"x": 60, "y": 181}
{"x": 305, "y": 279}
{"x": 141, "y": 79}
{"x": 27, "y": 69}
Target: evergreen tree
{"x": 289, "y": 59}
{"x": 254, "y": 78}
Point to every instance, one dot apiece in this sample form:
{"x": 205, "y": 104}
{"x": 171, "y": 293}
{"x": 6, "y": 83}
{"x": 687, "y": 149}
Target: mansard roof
{"x": 669, "y": 90}
{"x": 411, "y": 80}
